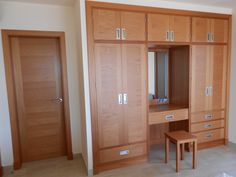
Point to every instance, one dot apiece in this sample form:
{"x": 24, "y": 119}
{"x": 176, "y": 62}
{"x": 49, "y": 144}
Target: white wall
{"x": 232, "y": 110}
{"x": 40, "y": 17}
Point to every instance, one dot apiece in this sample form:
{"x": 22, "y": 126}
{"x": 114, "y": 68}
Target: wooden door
{"x": 158, "y": 26}
{"x": 219, "y": 29}
{"x": 109, "y": 86}
{"x": 134, "y": 85}
{"x": 200, "y": 29}
{"x": 180, "y": 26}
{"x": 199, "y": 77}
{"x": 133, "y": 26}
{"x": 218, "y": 72}
{"x": 38, "y": 90}
{"x": 105, "y": 24}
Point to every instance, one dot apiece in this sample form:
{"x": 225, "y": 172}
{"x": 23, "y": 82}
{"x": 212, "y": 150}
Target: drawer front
{"x": 207, "y": 125}
{"x": 208, "y": 136}
{"x": 124, "y": 152}
{"x": 207, "y": 116}
{"x": 167, "y": 116}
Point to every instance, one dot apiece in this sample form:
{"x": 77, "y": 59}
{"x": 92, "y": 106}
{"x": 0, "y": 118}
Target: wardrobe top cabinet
{"x": 118, "y": 25}
{"x": 168, "y": 28}
{"x": 209, "y": 30}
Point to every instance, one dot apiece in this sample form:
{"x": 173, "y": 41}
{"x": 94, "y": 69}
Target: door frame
{"x": 6, "y": 35}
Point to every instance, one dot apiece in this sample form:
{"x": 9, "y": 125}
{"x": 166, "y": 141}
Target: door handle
{"x": 118, "y": 33}
{"x": 123, "y": 31}
{"x": 207, "y": 91}
{"x": 57, "y": 100}
{"x": 212, "y": 37}
{"x": 167, "y": 36}
{"x": 125, "y": 98}
{"x": 120, "y": 99}
{"x": 209, "y": 37}
{"x": 172, "y": 35}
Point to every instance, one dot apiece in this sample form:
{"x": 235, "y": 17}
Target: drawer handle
{"x": 208, "y": 126}
{"x": 169, "y": 117}
{"x": 124, "y": 152}
{"x": 208, "y": 116}
{"x": 209, "y": 135}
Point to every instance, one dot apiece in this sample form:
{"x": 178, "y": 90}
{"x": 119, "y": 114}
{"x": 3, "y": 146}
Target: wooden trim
{"x": 1, "y": 168}
{"x": 6, "y": 34}
{"x": 228, "y": 81}
{"x": 116, "y": 6}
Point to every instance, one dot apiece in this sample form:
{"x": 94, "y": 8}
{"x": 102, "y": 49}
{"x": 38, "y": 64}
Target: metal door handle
{"x": 118, "y": 33}
{"x": 209, "y": 37}
{"x": 208, "y": 126}
{"x": 167, "y": 36}
{"x": 207, "y": 91}
{"x": 120, "y": 99}
{"x": 125, "y": 98}
{"x": 58, "y": 100}
{"x": 123, "y": 31}
{"x": 212, "y": 37}
{"x": 208, "y": 116}
{"x": 172, "y": 35}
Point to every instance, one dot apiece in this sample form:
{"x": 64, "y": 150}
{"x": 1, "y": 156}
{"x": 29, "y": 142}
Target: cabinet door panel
{"x": 134, "y": 25}
{"x": 105, "y": 23}
{"x": 199, "y": 78}
{"x": 158, "y": 26}
{"x": 218, "y": 77}
{"x": 134, "y": 84}
{"x": 220, "y": 30}
{"x": 200, "y": 29}
{"x": 109, "y": 85}
{"x": 180, "y": 25}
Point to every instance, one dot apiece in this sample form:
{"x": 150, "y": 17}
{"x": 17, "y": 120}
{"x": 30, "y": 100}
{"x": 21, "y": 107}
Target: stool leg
{"x": 194, "y": 155}
{"x": 167, "y": 149}
{"x": 182, "y": 151}
{"x": 177, "y": 156}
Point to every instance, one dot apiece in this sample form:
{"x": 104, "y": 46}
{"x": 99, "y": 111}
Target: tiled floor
{"x": 211, "y": 162}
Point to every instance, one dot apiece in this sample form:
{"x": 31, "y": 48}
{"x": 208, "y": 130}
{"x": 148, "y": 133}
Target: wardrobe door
{"x": 219, "y": 29}
{"x": 105, "y": 24}
{"x": 201, "y": 28}
{"x": 180, "y": 28}
{"x": 134, "y": 89}
{"x": 218, "y": 65}
{"x": 199, "y": 78}
{"x": 133, "y": 26}
{"x": 109, "y": 86}
{"x": 158, "y": 27}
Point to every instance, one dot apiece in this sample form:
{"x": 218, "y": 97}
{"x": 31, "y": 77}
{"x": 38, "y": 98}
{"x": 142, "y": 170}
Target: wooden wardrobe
{"x": 119, "y": 37}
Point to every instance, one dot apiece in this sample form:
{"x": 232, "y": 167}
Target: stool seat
{"x": 180, "y": 138}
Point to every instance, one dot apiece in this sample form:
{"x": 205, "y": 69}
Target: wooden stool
{"x": 180, "y": 138}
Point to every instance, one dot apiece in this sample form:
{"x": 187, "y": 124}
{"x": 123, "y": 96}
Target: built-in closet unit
{"x": 127, "y": 119}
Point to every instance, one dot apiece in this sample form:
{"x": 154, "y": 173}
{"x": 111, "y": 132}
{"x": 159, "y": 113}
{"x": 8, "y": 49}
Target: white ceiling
{"x": 55, "y": 2}
{"x": 218, "y": 3}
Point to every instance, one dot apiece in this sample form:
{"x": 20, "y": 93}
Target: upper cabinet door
{"x": 109, "y": 98}
{"x": 106, "y": 24}
{"x": 200, "y": 78}
{"x": 219, "y": 29}
{"x": 134, "y": 87}
{"x": 201, "y": 28}
{"x": 217, "y": 82}
{"x": 180, "y": 28}
{"x": 133, "y": 26}
{"x": 158, "y": 27}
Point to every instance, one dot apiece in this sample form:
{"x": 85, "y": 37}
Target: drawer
{"x": 207, "y": 125}
{"x": 167, "y": 116}
{"x": 207, "y": 116}
{"x": 212, "y": 135}
{"x": 124, "y": 152}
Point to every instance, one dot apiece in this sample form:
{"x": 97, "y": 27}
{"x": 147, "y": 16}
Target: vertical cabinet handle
{"x": 167, "y": 36}
{"x": 125, "y": 98}
{"x": 172, "y": 35}
{"x": 209, "y": 37}
{"x": 118, "y": 35}
{"x": 123, "y": 31}
{"x": 212, "y": 37}
{"x": 207, "y": 91}
{"x": 210, "y": 91}
{"x": 120, "y": 99}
